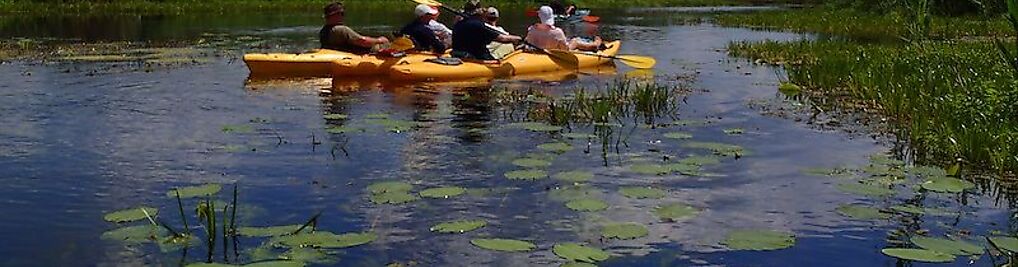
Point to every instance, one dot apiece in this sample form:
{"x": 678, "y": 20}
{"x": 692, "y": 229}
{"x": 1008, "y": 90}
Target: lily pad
{"x": 865, "y": 189}
{"x": 642, "y": 192}
{"x": 908, "y": 209}
{"x": 325, "y": 240}
{"x": 721, "y": 149}
{"x": 948, "y": 246}
{"x": 574, "y": 176}
{"x": 947, "y": 185}
{"x": 678, "y": 135}
{"x": 570, "y": 193}
{"x": 577, "y": 252}
{"x": 685, "y": 169}
{"x": 343, "y": 130}
{"x": 543, "y": 128}
{"x": 734, "y": 131}
{"x": 280, "y": 263}
{"x": 759, "y": 240}
{"x": 923, "y": 255}
{"x": 624, "y": 231}
{"x": 130, "y": 215}
{"x": 556, "y": 147}
{"x": 1006, "y": 243}
{"x": 135, "y": 234}
{"x": 458, "y": 226}
{"x": 650, "y": 169}
{"x": 675, "y": 211}
{"x": 237, "y": 129}
{"x": 195, "y": 191}
{"x": 396, "y": 126}
{"x": 389, "y": 187}
{"x": 587, "y": 205}
{"x": 443, "y": 192}
{"x": 531, "y": 163}
{"x": 498, "y": 244}
{"x": 309, "y": 255}
{"x": 579, "y": 136}
{"x": 577, "y": 264}
{"x": 526, "y": 175}
{"x": 267, "y": 231}
{"x": 882, "y": 159}
{"x": 861, "y": 212}
{"x": 394, "y": 198}
{"x": 701, "y": 160}
{"x": 377, "y": 116}
{"x": 334, "y": 116}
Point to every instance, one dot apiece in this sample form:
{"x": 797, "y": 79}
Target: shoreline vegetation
{"x": 941, "y": 81}
{"x": 217, "y": 6}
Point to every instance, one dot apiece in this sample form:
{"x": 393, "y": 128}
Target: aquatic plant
{"x": 758, "y": 240}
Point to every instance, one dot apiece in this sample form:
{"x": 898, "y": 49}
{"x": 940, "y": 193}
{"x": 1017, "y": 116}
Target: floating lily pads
{"x": 130, "y": 215}
{"x": 650, "y": 169}
{"x": 882, "y": 159}
{"x": 759, "y": 240}
{"x": 947, "y": 185}
{"x": 882, "y": 170}
{"x": 861, "y": 212}
{"x": 135, "y": 234}
{"x": 587, "y": 205}
{"x": 267, "y": 231}
{"x": 526, "y": 175}
{"x": 531, "y": 163}
{"x": 309, "y": 255}
{"x": 443, "y": 192}
{"x": 325, "y": 240}
{"x": 238, "y": 129}
{"x": 734, "y": 131}
{"x": 556, "y": 147}
{"x": 908, "y": 209}
{"x": 923, "y": 255}
{"x": 498, "y": 244}
{"x": 948, "y": 246}
{"x": 570, "y": 193}
{"x": 343, "y": 130}
{"x": 574, "y": 176}
{"x": 581, "y": 253}
{"x": 642, "y": 192}
{"x": 1006, "y": 243}
{"x": 377, "y": 116}
{"x": 727, "y": 150}
{"x": 394, "y": 198}
{"x": 334, "y": 116}
{"x": 579, "y": 135}
{"x": 396, "y": 126}
{"x": 536, "y": 126}
{"x": 865, "y": 189}
{"x": 830, "y": 172}
{"x": 685, "y": 169}
{"x": 675, "y": 211}
{"x": 624, "y": 231}
{"x": 701, "y": 160}
{"x": 678, "y": 135}
{"x": 459, "y": 226}
{"x": 389, "y": 187}
{"x": 195, "y": 191}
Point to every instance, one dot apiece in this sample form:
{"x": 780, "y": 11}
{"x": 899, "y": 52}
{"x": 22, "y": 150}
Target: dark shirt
{"x": 560, "y": 6}
{"x": 424, "y": 38}
{"x": 341, "y": 38}
{"x": 472, "y": 36}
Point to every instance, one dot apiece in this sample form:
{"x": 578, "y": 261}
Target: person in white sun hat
{"x": 545, "y": 35}
{"x": 418, "y": 31}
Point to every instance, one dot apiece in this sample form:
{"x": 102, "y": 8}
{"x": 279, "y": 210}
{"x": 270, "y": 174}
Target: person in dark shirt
{"x": 336, "y": 36}
{"x": 562, "y": 7}
{"x": 424, "y": 38}
{"x": 471, "y": 36}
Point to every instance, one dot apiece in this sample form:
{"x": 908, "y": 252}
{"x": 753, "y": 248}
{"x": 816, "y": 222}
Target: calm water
{"x": 74, "y": 147}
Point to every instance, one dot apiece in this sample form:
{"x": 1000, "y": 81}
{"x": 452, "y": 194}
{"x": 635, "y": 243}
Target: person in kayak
{"x": 336, "y": 36}
{"x": 562, "y": 7}
{"x": 471, "y": 36}
{"x": 545, "y": 35}
{"x": 498, "y": 50}
{"x": 443, "y": 33}
{"x": 424, "y": 38}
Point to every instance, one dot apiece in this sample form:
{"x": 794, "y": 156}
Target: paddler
{"x": 545, "y": 35}
{"x": 498, "y": 50}
{"x": 423, "y": 37}
{"x": 336, "y": 36}
{"x": 471, "y": 36}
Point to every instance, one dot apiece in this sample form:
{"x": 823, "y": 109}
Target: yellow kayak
{"x": 325, "y": 63}
{"x": 517, "y": 63}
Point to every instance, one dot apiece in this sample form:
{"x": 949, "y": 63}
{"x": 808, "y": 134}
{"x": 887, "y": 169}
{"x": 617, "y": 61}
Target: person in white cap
{"x": 545, "y": 35}
{"x": 424, "y": 38}
{"x": 498, "y": 50}
{"x": 471, "y": 35}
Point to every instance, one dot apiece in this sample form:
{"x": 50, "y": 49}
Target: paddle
{"x": 560, "y": 57}
{"x": 638, "y": 62}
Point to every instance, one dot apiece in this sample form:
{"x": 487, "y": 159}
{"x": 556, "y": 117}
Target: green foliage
{"x": 581, "y": 253}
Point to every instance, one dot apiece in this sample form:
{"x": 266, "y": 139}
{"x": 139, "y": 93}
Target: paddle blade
{"x": 639, "y": 62}
{"x": 402, "y": 44}
{"x": 564, "y": 58}
{"x": 591, "y": 19}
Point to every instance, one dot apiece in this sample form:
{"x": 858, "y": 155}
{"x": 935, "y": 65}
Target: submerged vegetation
{"x": 948, "y": 91}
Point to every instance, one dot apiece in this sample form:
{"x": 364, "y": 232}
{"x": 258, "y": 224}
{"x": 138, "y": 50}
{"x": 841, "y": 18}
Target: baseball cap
{"x": 492, "y": 12}
{"x": 423, "y": 9}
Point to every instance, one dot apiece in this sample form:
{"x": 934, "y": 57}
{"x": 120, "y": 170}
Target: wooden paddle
{"x": 560, "y": 57}
{"x": 638, "y": 62}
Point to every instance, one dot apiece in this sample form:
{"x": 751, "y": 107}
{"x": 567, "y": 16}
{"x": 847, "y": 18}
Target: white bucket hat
{"x": 423, "y": 9}
{"x": 547, "y": 15}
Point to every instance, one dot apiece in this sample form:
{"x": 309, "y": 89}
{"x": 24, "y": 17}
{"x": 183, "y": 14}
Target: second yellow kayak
{"x": 517, "y": 63}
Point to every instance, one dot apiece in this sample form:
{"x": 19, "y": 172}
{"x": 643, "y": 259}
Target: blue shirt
{"x": 424, "y": 38}
{"x": 472, "y": 36}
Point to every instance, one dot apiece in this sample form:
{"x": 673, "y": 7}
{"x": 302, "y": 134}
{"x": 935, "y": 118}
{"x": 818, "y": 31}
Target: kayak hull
{"x": 518, "y": 63}
{"x": 325, "y": 63}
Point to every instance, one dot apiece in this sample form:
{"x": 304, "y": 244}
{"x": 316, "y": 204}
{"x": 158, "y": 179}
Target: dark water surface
{"x": 74, "y": 147}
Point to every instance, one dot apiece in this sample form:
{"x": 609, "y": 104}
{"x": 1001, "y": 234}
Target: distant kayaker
{"x": 471, "y": 36}
{"x": 336, "y": 36}
{"x": 498, "y": 50}
{"x": 424, "y": 38}
{"x": 545, "y": 35}
{"x": 563, "y": 7}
